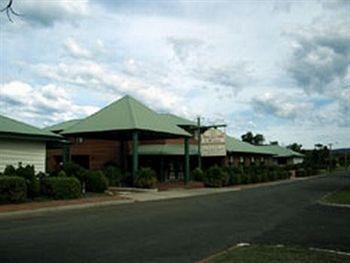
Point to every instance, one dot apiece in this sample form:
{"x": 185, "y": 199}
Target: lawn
{"x": 340, "y": 197}
{"x": 276, "y": 254}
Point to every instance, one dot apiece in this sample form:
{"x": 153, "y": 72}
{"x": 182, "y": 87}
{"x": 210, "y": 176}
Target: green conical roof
{"x": 123, "y": 115}
{"x": 12, "y": 127}
{"x": 177, "y": 120}
{"x": 59, "y": 127}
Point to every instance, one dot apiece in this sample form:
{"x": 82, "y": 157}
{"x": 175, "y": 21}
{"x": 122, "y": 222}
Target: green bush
{"x": 13, "y": 189}
{"x": 96, "y": 182}
{"x": 61, "y": 187}
{"x": 62, "y": 174}
{"x": 216, "y": 177}
{"x": 10, "y": 170}
{"x": 33, "y": 187}
{"x": 235, "y": 175}
{"x": 146, "y": 178}
{"x": 74, "y": 170}
{"x": 27, "y": 172}
{"x": 197, "y": 174}
{"x": 113, "y": 174}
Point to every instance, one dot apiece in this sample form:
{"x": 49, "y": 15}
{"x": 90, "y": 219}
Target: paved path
{"x": 181, "y": 230}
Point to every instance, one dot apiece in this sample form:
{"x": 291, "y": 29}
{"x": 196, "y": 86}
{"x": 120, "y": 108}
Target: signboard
{"x": 213, "y": 143}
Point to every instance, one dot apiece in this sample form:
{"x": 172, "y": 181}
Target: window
{"x": 241, "y": 159}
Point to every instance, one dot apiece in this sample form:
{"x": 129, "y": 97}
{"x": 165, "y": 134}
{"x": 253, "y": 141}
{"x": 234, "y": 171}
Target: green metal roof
{"x": 177, "y": 120}
{"x": 166, "y": 149}
{"x": 280, "y": 151}
{"x": 123, "y": 115}
{"x": 59, "y": 127}
{"x": 12, "y": 127}
{"x": 235, "y": 145}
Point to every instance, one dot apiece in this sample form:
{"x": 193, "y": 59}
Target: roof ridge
{"x": 133, "y": 117}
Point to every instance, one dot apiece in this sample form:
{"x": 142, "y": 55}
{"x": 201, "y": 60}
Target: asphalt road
{"x": 182, "y": 230}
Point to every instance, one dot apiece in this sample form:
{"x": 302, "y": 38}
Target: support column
{"x": 199, "y": 143}
{"x": 66, "y": 153}
{"x": 162, "y": 175}
{"x": 187, "y": 161}
{"x": 135, "y": 155}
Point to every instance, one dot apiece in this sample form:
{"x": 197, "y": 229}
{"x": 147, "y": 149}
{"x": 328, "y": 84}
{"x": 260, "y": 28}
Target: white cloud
{"x": 42, "y": 105}
{"x": 75, "y": 49}
{"x": 46, "y": 13}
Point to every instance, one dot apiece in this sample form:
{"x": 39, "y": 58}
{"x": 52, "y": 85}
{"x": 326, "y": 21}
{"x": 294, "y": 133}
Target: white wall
{"x": 297, "y": 160}
{"x": 13, "y": 151}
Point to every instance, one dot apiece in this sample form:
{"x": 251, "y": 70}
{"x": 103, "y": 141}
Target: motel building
{"x": 131, "y": 135}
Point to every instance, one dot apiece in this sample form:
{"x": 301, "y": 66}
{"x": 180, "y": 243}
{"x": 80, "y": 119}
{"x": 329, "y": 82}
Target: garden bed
{"x": 45, "y": 203}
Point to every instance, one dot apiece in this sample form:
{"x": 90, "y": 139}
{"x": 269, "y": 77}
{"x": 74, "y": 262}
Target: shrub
{"x": 33, "y": 187}
{"x": 13, "y": 189}
{"x": 235, "y": 176}
{"x": 61, "y": 187}
{"x": 26, "y": 172}
{"x": 62, "y": 174}
{"x": 216, "y": 177}
{"x": 75, "y": 170}
{"x": 96, "y": 182}
{"x": 10, "y": 170}
{"x": 146, "y": 178}
{"x": 113, "y": 174}
{"x": 197, "y": 174}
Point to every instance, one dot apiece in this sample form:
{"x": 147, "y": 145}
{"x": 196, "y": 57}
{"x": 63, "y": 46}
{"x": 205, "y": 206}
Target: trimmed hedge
{"x": 197, "y": 174}
{"x": 61, "y": 187}
{"x": 96, "y": 182}
{"x": 216, "y": 177}
{"x": 13, "y": 189}
{"x": 113, "y": 174}
{"x": 146, "y": 178}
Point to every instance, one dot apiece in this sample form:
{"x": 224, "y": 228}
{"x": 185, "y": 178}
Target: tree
{"x": 9, "y": 10}
{"x": 258, "y": 139}
{"x": 248, "y": 137}
{"x": 295, "y": 147}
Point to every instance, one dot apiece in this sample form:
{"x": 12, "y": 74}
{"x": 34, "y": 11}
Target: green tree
{"x": 258, "y": 139}
{"x": 295, "y": 147}
{"x": 248, "y": 137}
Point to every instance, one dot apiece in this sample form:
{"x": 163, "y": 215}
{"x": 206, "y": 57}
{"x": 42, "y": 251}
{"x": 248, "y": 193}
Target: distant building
{"x": 24, "y": 144}
{"x": 283, "y": 155}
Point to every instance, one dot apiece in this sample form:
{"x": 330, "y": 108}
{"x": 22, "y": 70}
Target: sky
{"x": 280, "y": 68}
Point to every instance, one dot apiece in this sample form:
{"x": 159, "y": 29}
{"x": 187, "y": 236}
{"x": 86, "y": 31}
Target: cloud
{"x": 321, "y": 58}
{"x": 98, "y": 77}
{"x": 282, "y": 105}
{"x": 46, "y": 13}
{"x": 75, "y": 49}
{"x": 42, "y": 105}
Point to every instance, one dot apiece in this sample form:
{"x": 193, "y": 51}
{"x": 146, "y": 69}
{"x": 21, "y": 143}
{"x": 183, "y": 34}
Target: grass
{"x": 276, "y": 254}
{"x": 340, "y": 197}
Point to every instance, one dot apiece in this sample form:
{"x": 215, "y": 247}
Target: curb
{"x": 44, "y": 210}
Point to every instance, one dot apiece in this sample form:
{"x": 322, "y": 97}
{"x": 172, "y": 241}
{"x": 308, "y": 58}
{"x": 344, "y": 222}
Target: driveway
{"x": 182, "y": 230}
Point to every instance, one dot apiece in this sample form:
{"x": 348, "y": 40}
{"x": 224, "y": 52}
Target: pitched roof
{"x": 177, "y": 120}
{"x": 12, "y": 127}
{"x": 235, "y": 145}
{"x": 123, "y": 115}
{"x": 59, "y": 127}
{"x": 166, "y": 149}
{"x": 280, "y": 151}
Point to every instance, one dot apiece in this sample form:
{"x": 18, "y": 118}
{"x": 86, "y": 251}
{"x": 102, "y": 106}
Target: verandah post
{"x": 135, "y": 155}
{"x": 187, "y": 161}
